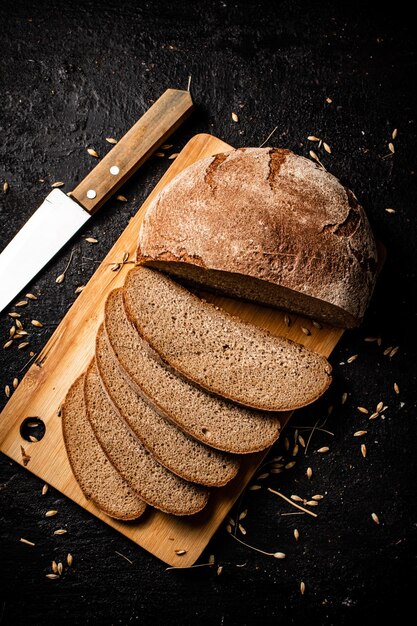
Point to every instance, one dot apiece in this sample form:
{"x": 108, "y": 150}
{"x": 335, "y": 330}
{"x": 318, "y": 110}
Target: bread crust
{"x": 269, "y": 214}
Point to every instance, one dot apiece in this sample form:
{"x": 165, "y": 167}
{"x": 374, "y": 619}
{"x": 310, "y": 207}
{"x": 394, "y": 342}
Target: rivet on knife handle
{"x": 153, "y": 128}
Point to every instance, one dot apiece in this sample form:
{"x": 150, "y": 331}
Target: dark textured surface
{"x": 72, "y": 75}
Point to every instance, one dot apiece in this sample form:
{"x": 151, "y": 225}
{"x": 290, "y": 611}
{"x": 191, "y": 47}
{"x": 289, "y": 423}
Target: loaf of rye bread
{"x": 269, "y": 226}
{"x": 99, "y": 481}
{"x": 219, "y": 352}
{"x": 177, "y": 451}
{"x": 153, "y": 483}
{"x": 209, "y": 419}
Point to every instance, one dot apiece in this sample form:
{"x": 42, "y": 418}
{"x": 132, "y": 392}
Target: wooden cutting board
{"x": 66, "y": 355}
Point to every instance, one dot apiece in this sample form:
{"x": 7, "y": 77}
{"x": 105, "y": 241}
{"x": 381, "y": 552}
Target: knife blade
{"x": 60, "y": 217}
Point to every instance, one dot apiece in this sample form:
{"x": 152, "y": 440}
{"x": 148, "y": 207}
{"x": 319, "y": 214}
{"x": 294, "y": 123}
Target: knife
{"x": 59, "y": 217}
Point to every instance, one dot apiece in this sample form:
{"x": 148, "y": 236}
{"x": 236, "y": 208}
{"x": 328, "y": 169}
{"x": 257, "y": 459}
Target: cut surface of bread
{"x": 98, "y": 479}
{"x": 190, "y": 459}
{"x": 267, "y": 225}
{"x": 221, "y": 353}
{"x": 212, "y": 420}
{"x": 155, "y": 484}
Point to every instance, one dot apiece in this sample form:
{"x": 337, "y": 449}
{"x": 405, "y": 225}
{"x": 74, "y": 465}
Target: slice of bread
{"x": 219, "y": 352}
{"x": 96, "y": 476}
{"x": 152, "y": 482}
{"x": 208, "y": 418}
{"x": 174, "y": 449}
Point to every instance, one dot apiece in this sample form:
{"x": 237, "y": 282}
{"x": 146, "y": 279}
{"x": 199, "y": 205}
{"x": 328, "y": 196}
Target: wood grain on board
{"x": 66, "y": 355}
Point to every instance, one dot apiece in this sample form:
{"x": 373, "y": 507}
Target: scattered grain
{"x": 363, "y": 450}
{"x": 317, "y": 497}
{"x": 111, "y": 140}
{"x": 255, "y": 487}
{"x": 243, "y": 514}
{"x": 309, "y": 473}
{"x": 60, "y": 568}
{"x": 391, "y": 147}
{"x": 79, "y": 289}
{"x": 287, "y": 320}
{"x": 362, "y": 409}
{"x": 6, "y": 186}
{"x": 45, "y": 489}
{"x": 15, "y": 383}
{"x": 352, "y": 358}
{"x": 295, "y": 450}
{"x": 344, "y": 397}
{"x": 159, "y": 154}
{"x": 262, "y": 476}
{"x": 286, "y": 443}
{"x": 173, "y": 156}
{"x": 390, "y": 210}
{"x": 235, "y": 118}
{"x": 360, "y": 433}
{"x": 54, "y": 567}
{"x": 121, "y": 198}
{"x": 60, "y": 279}
{"x": 70, "y": 559}
{"x": 394, "y": 351}
{"x": 52, "y": 576}
{"x": 219, "y": 570}
{"x": 58, "y": 183}
{"x": 296, "y": 534}
{"x": 375, "y": 518}
{"x": 33, "y": 439}
{"x": 91, "y": 240}
{"x": 36, "y": 323}
{"x": 279, "y": 555}
{"x": 60, "y": 531}
{"x": 396, "y": 388}
{"x": 290, "y": 465}
{"x": 311, "y": 503}
{"x": 323, "y": 449}
{"x": 21, "y": 303}
{"x": 14, "y": 314}
{"x": 242, "y": 529}
{"x": 301, "y": 441}
{"x": 306, "y": 331}
{"x": 51, "y": 513}
{"x": 327, "y": 147}
{"x": 26, "y": 541}
{"x": 180, "y": 552}
{"x": 313, "y": 138}
{"x": 296, "y": 498}
{"x": 19, "y": 324}
{"x": 93, "y": 153}
{"x": 394, "y": 133}
{"x": 167, "y": 146}
{"x": 317, "y": 325}
{"x": 302, "y": 583}
{"x": 22, "y": 345}
{"x": 7, "y": 391}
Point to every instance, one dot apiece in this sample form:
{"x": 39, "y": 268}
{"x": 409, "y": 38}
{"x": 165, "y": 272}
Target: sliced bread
{"x": 267, "y": 225}
{"x": 98, "y": 479}
{"x": 219, "y": 352}
{"x": 149, "y": 479}
{"x": 176, "y": 450}
{"x": 207, "y": 418}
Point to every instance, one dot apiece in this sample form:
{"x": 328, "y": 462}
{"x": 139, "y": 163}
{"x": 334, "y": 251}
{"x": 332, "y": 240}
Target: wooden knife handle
{"x": 153, "y": 128}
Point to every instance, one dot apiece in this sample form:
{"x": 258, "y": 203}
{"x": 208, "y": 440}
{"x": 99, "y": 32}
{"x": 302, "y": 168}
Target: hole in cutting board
{"x": 32, "y": 429}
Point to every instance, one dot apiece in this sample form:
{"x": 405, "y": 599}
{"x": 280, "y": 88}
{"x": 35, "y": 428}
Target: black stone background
{"x": 74, "y": 73}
